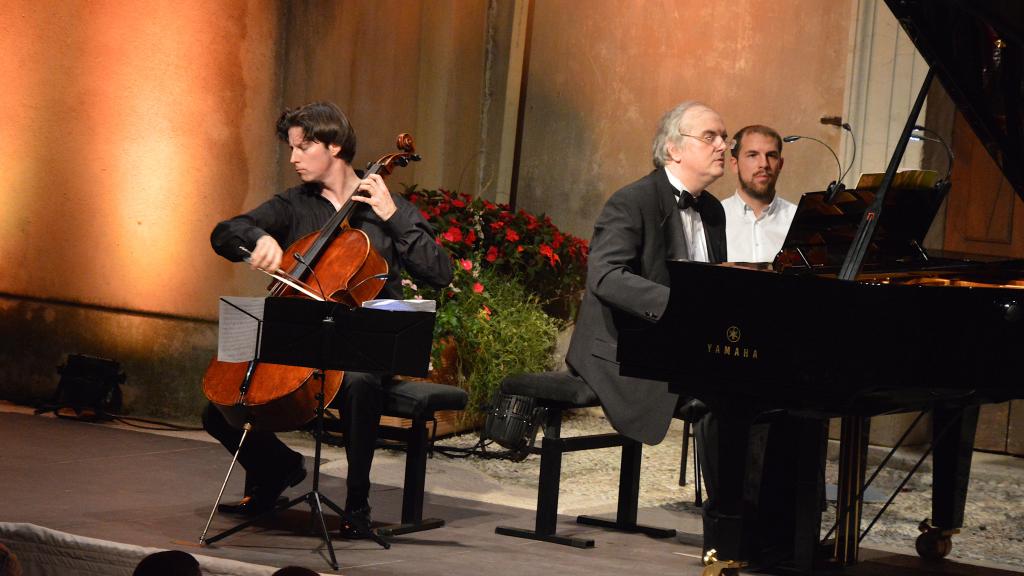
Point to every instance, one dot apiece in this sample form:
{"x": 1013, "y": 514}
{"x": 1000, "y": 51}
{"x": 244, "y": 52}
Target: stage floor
{"x": 156, "y": 490}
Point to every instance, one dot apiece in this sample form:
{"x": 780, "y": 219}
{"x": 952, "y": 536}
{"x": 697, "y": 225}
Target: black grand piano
{"x": 855, "y": 319}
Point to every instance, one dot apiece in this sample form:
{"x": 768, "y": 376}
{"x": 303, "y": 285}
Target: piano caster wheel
{"x": 715, "y": 567}
{"x": 934, "y": 543}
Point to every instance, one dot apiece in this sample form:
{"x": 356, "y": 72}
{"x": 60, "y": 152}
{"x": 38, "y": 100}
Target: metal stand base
{"x": 632, "y": 528}
{"x": 313, "y": 497}
{"x": 552, "y": 538}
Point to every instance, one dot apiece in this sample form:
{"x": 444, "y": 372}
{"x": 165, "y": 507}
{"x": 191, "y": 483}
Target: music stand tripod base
{"x": 313, "y": 497}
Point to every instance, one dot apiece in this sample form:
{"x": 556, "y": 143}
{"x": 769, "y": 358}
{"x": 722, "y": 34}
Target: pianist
{"x": 665, "y": 215}
{"x": 756, "y": 219}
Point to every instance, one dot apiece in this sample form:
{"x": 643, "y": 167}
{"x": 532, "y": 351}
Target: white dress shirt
{"x": 751, "y": 239}
{"x": 693, "y": 226}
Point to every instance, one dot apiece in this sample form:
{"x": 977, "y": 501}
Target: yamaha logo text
{"x": 731, "y": 347}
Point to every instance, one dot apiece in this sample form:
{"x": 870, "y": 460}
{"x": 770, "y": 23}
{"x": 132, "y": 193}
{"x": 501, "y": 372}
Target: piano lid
{"x": 976, "y": 48}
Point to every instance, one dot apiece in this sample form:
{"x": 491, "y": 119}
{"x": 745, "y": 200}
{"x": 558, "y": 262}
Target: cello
{"x": 347, "y": 270}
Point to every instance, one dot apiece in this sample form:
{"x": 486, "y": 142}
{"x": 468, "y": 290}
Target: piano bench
{"x": 415, "y": 401}
{"x": 560, "y": 391}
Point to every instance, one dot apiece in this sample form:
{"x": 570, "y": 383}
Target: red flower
{"x": 458, "y": 203}
{"x": 453, "y": 234}
{"x": 466, "y": 264}
{"x": 546, "y": 250}
{"x": 511, "y": 235}
{"x": 486, "y": 312}
{"x": 492, "y": 254}
{"x": 470, "y": 238}
{"x": 478, "y": 288}
{"x": 519, "y": 248}
{"x": 424, "y": 214}
{"x": 497, "y": 225}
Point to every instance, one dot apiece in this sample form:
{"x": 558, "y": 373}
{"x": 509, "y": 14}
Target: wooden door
{"x": 984, "y": 215}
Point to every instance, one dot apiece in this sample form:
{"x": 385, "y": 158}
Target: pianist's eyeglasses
{"x": 713, "y": 139}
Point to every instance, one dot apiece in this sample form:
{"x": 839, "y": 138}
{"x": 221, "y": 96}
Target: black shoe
{"x": 244, "y": 507}
{"x": 267, "y": 493}
{"x": 358, "y": 525}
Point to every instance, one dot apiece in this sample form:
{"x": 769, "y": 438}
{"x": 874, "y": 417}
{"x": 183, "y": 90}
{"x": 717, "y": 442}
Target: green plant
{"x": 518, "y": 280}
{"x": 505, "y": 332}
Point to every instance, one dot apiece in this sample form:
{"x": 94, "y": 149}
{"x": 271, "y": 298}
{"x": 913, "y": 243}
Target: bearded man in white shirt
{"x": 756, "y": 219}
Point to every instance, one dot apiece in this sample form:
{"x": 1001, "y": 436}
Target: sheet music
{"x": 402, "y": 305}
{"x": 239, "y": 325}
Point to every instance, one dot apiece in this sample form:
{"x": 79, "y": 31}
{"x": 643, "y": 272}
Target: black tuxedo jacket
{"x": 628, "y": 285}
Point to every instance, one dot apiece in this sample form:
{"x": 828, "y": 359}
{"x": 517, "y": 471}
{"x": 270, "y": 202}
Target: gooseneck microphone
{"x": 834, "y": 187}
{"x": 835, "y": 121}
{"x": 838, "y": 121}
{"x": 937, "y": 139}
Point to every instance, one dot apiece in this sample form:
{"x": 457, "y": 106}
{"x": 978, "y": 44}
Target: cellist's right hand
{"x": 266, "y": 255}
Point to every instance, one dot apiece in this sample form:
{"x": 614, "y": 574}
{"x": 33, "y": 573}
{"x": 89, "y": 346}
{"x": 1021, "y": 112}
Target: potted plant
{"x": 518, "y": 280}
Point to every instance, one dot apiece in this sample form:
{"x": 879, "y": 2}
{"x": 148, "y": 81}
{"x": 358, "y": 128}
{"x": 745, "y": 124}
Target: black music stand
{"x": 329, "y": 336}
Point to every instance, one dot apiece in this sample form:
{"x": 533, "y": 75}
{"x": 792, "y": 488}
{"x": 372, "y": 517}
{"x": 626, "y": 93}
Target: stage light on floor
{"x": 89, "y": 388}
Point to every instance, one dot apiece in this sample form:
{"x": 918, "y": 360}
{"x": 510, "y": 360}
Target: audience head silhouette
{"x": 295, "y": 571}
{"x": 168, "y": 563}
{"x": 9, "y": 565}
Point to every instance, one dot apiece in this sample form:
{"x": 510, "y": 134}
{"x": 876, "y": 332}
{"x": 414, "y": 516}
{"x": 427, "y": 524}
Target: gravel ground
{"x": 993, "y": 529}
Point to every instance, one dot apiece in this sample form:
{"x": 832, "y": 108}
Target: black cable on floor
{"x": 158, "y": 424}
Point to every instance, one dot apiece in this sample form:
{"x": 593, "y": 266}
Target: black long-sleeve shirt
{"x": 406, "y": 241}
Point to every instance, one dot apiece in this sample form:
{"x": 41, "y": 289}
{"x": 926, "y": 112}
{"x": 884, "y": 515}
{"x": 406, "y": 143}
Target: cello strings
{"x": 284, "y": 277}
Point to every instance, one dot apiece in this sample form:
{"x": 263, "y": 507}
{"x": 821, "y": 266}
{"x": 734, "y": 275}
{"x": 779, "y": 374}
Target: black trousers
{"x": 749, "y": 464}
{"x": 360, "y": 401}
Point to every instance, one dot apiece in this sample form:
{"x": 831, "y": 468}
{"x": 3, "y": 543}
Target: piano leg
{"x": 853, "y": 455}
{"x": 953, "y": 431}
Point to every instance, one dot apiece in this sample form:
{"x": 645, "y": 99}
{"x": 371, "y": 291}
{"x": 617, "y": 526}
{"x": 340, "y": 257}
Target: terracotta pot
{"x": 447, "y": 370}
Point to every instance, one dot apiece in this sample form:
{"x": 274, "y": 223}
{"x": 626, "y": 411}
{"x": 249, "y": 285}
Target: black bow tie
{"x": 687, "y": 200}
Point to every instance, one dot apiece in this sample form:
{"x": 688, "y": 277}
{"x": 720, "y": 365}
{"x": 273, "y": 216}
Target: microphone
{"x": 834, "y": 187}
{"x": 838, "y": 121}
{"x": 937, "y": 139}
{"x": 298, "y": 258}
{"x": 835, "y": 121}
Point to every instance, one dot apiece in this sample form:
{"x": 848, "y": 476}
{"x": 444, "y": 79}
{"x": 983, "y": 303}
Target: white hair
{"x": 669, "y": 129}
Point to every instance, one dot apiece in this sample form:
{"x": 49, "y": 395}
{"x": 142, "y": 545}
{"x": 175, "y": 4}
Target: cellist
{"x": 323, "y": 144}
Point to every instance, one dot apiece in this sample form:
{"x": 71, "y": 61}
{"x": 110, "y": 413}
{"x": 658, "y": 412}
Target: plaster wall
{"x": 600, "y": 79}
{"x": 395, "y": 66}
{"x": 129, "y": 129}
